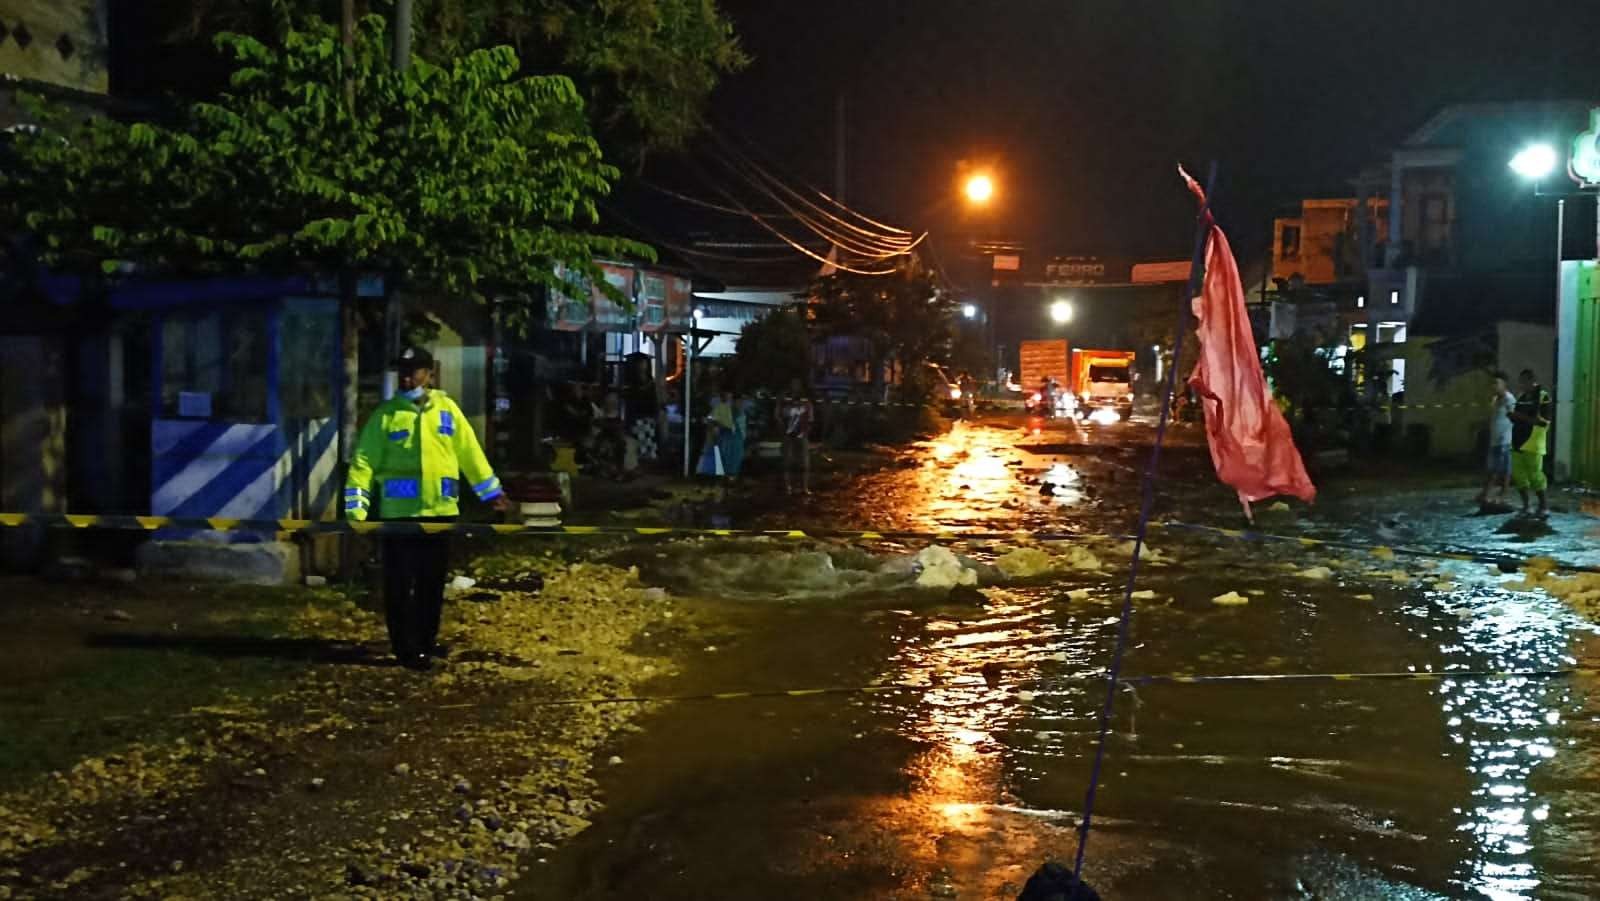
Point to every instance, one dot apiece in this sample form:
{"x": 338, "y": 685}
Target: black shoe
{"x": 419, "y": 662}
{"x": 439, "y": 651}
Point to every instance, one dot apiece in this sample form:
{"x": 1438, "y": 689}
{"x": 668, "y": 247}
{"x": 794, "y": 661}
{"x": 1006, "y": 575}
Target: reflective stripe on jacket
{"x": 412, "y": 462}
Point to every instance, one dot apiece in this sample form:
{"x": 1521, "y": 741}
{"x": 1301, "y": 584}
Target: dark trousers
{"x": 414, "y": 569}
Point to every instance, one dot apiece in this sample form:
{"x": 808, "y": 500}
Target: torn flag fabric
{"x": 1251, "y": 445}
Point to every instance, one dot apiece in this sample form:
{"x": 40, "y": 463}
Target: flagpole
{"x": 1197, "y": 263}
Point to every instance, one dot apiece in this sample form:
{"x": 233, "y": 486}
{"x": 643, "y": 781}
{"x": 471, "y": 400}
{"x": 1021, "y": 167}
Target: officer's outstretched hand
{"x": 502, "y": 503}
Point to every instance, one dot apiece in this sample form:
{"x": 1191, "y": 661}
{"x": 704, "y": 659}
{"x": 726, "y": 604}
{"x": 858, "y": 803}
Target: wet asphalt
{"x": 963, "y": 781}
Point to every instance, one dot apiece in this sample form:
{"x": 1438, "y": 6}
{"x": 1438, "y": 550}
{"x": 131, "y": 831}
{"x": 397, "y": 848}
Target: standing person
{"x": 794, "y": 417}
{"x": 732, "y": 440}
{"x": 719, "y": 423}
{"x": 1498, "y": 465}
{"x": 1047, "y": 397}
{"x": 1529, "y": 423}
{"x": 412, "y": 454}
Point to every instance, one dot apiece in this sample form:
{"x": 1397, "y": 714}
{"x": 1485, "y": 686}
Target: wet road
{"x": 960, "y": 785}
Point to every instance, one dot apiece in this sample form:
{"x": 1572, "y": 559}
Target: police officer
{"x": 410, "y": 460}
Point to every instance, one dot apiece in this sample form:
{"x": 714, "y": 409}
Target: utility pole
{"x": 400, "y": 58}
{"x": 402, "y": 35}
{"x": 349, "y": 322}
{"x": 347, "y": 37}
{"x": 838, "y": 148}
{"x": 349, "y": 319}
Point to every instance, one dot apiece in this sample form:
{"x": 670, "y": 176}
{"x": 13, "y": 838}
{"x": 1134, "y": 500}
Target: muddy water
{"x": 960, "y": 783}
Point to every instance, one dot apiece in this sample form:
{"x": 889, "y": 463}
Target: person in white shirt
{"x": 794, "y": 417}
{"x": 1497, "y": 482}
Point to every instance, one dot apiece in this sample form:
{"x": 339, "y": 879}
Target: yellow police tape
{"x": 1134, "y": 681}
{"x": 307, "y": 526}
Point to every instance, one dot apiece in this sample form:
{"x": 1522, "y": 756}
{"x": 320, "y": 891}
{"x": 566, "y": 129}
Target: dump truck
{"x": 1041, "y": 359}
{"x": 1101, "y": 380}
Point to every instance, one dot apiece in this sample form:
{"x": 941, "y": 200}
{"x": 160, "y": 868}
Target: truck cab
{"x": 1102, "y": 380}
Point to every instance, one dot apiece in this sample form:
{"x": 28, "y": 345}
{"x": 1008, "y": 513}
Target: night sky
{"x": 1085, "y": 105}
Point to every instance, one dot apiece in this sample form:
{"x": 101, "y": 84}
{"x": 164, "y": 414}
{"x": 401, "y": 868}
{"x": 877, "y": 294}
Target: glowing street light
{"x": 979, "y": 189}
{"x": 1061, "y": 312}
{"x": 1535, "y": 161}
{"x": 969, "y": 310}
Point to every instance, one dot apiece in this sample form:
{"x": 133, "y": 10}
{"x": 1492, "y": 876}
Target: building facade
{"x": 1459, "y": 220}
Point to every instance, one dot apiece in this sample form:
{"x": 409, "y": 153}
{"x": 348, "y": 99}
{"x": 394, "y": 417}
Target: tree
{"x": 904, "y": 319}
{"x": 465, "y": 177}
{"x": 972, "y": 353}
{"x": 645, "y": 67}
{"x": 321, "y": 158}
{"x": 773, "y": 351}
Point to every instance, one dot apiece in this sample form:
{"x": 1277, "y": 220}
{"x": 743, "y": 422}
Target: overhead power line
{"x": 704, "y": 204}
{"x": 837, "y": 203}
{"x": 800, "y": 247}
{"x": 761, "y": 178}
{"x": 845, "y": 243}
{"x": 654, "y": 238}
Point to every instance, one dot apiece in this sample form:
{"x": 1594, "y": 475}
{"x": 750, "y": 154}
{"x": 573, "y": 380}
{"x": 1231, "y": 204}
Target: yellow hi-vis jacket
{"x": 412, "y": 459}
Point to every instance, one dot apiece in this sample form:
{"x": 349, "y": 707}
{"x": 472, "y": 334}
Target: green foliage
{"x": 467, "y": 178}
{"x": 1300, "y": 374}
{"x": 971, "y": 353}
{"x": 905, "y": 318}
{"x": 772, "y": 351}
{"x": 646, "y": 67}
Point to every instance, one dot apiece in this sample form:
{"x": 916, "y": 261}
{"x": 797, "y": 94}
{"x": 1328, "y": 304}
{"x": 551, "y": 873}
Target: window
{"x": 1108, "y": 374}
{"x": 306, "y": 369}
{"x": 1391, "y": 333}
{"x": 653, "y": 312}
{"x": 1435, "y": 223}
{"x": 1361, "y": 302}
{"x": 214, "y": 365}
{"x": 1289, "y": 242}
{"x": 1394, "y": 298}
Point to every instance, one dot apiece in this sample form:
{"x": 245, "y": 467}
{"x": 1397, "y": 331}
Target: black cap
{"x": 412, "y": 359}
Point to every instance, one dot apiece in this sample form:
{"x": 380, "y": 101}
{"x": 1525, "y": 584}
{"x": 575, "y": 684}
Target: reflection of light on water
{"x": 1505, "y": 725}
{"x": 967, "y": 476}
{"x": 1105, "y": 416}
{"x": 959, "y": 713}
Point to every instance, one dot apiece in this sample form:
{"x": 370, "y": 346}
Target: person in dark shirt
{"x": 1529, "y": 423}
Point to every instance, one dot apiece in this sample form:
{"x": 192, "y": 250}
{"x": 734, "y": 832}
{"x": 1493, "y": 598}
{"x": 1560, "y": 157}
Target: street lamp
{"x": 1535, "y": 162}
{"x": 1061, "y": 312}
{"x": 969, "y": 310}
{"x": 979, "y": 189}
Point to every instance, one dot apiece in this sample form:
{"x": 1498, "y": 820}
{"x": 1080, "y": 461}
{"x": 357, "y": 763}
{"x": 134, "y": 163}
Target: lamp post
{"x": 1534, "y": 163}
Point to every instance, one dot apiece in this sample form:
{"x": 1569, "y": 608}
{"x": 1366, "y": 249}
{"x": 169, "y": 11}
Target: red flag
{"x": 1251, "y": 446}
